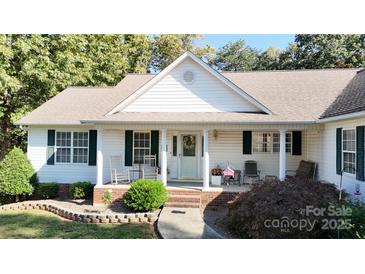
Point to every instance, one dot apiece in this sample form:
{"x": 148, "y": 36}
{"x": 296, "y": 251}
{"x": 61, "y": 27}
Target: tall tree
{"x": 168, "y": 47}
{"x": 269, "y": 59}
{"x": 33, "y": 68}
{"x": 287, "y": 58}
{"x": 139, "y": 52}
{"x": 236, "y": 56}
{"x": 330, "y": 51}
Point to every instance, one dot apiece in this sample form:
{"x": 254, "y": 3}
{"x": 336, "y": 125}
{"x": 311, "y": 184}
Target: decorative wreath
{"x": 189, "y": 142}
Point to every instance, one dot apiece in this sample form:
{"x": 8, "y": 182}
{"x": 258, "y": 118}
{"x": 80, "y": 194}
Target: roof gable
{"x": 168, "y": 92}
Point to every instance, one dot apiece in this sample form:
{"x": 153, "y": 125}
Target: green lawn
{"x": 44, "y": 225}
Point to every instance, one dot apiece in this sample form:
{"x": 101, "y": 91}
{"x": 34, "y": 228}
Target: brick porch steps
{"x": 183, "y": 204}
{"x": 184, "y": 198}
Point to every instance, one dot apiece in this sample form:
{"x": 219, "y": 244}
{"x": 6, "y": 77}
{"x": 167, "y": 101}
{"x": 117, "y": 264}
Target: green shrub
{"x": 282, "y": 201}
{"x": 47, "y": 190}
{"x": 107, "y": 197}
{"x": 146, "y": 195}
{"x": 81, "y": 190}
{"x": 17, "y": 175}
{"x": 357, "y": 221}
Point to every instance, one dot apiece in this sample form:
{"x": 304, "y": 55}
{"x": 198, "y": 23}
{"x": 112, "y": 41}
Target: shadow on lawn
{"x": 43, "y": 225}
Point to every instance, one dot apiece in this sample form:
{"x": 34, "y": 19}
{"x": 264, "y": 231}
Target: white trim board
{"x": 164, "y": 72}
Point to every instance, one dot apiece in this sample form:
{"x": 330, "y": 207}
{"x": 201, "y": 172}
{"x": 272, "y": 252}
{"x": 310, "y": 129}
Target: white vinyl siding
{"x": 327, "y": 163}
{"x": 228, "y": 148}
{"x": 205, "y": 94}
{"x": 60, "y": 173}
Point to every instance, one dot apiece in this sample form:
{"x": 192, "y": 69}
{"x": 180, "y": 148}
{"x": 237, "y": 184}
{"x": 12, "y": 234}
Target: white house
{"x": 195, "y": 118}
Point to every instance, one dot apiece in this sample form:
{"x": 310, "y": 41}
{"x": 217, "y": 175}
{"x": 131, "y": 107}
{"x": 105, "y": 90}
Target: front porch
{"x": 186, "y": 153}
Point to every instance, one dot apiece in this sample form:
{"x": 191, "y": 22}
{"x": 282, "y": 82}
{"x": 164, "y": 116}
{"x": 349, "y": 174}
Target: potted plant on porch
{"x": 216, "y": 176}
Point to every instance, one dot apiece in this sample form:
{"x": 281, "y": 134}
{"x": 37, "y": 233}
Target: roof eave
{"x": 342, "y": 117}
{"x": 279, "y": 122}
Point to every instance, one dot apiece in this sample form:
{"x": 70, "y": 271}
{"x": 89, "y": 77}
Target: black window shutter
{"x": 247, "y": 142}
{"x": 339, "y": 151}
{"x": 154, "y": 143}
{"x": 50, "y": 146}
{"x": 297, "y": 143}
{"x": 128, "y": 151}
{"x": 360, "y": 153}
{"x": 93, "y": 137}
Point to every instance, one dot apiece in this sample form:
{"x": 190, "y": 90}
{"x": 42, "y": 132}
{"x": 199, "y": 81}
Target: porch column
{"x": 99, "y": 157}
{"x": 164, "y": 158}
{"x": 282, "y": 156}
{"x": 206, "y": 160}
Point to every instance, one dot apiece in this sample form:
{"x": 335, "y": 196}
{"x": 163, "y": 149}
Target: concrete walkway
{"x": 184, "y": 223}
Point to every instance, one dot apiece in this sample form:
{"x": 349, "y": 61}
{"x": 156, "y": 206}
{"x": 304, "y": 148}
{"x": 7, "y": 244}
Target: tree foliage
{"x": 236, "y": 56}
{"x": 329, "y": 51}
{"x": 34, "y": 68}
{"x": 168, "y": 47}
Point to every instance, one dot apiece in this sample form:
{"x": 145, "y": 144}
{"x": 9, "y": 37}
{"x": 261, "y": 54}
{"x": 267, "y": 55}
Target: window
{"x": 141, "y": 146}
{"x": 349, "y": 151}
{"x": 174, "y": 145}
{"x": 270, "y": 142}
{"x": 72, "y": 147}
{"x": 80, "y": 147}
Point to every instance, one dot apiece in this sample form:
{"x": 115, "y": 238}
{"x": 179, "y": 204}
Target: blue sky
{"x": 258, "y": 41}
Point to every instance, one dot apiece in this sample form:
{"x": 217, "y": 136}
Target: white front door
{"x": 189, "y": 156}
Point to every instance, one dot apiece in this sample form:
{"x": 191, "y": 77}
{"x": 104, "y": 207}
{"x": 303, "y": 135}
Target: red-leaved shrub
{"x": 282, "y": 201}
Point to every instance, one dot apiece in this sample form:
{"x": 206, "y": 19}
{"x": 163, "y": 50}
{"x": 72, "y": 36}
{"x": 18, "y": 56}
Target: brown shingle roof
{"x": 300, "y": 95}
{"x": 77, "y": 103}
{"x": 351, "y": 100}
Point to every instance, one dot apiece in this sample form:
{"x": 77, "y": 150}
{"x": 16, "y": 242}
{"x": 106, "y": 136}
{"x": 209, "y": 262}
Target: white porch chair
{"x": 117, "y": 172}
{"x": 149, "y": 169}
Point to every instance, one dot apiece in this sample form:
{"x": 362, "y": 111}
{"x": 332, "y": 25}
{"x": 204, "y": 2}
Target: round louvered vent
{"x": 188, "y": 77}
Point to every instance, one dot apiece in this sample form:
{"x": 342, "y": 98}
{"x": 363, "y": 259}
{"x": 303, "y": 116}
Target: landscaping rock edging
{"x": 114, "y": 218}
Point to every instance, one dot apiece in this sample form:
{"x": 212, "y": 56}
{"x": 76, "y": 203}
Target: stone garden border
{"x": 149, "y": 217}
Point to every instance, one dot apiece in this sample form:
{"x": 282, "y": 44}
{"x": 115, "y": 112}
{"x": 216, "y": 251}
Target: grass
{"x": 33, "y": 224}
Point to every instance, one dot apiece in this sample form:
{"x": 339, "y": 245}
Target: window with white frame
{"x": 141, "y": 146}
{"x": 349, "y": 151}
{"x": 72, "y": 147}
{"x": 80, "y": 147}
{"x": 270, "y": 142}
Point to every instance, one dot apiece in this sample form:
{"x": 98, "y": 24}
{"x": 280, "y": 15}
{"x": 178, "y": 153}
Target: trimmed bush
{"x": 81, "y": 190}
{"x": 17, "y": 175}
{"x": 146, "y": 195}
{"x": 282, "y": 201}
{"x": 47, "y": 190}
